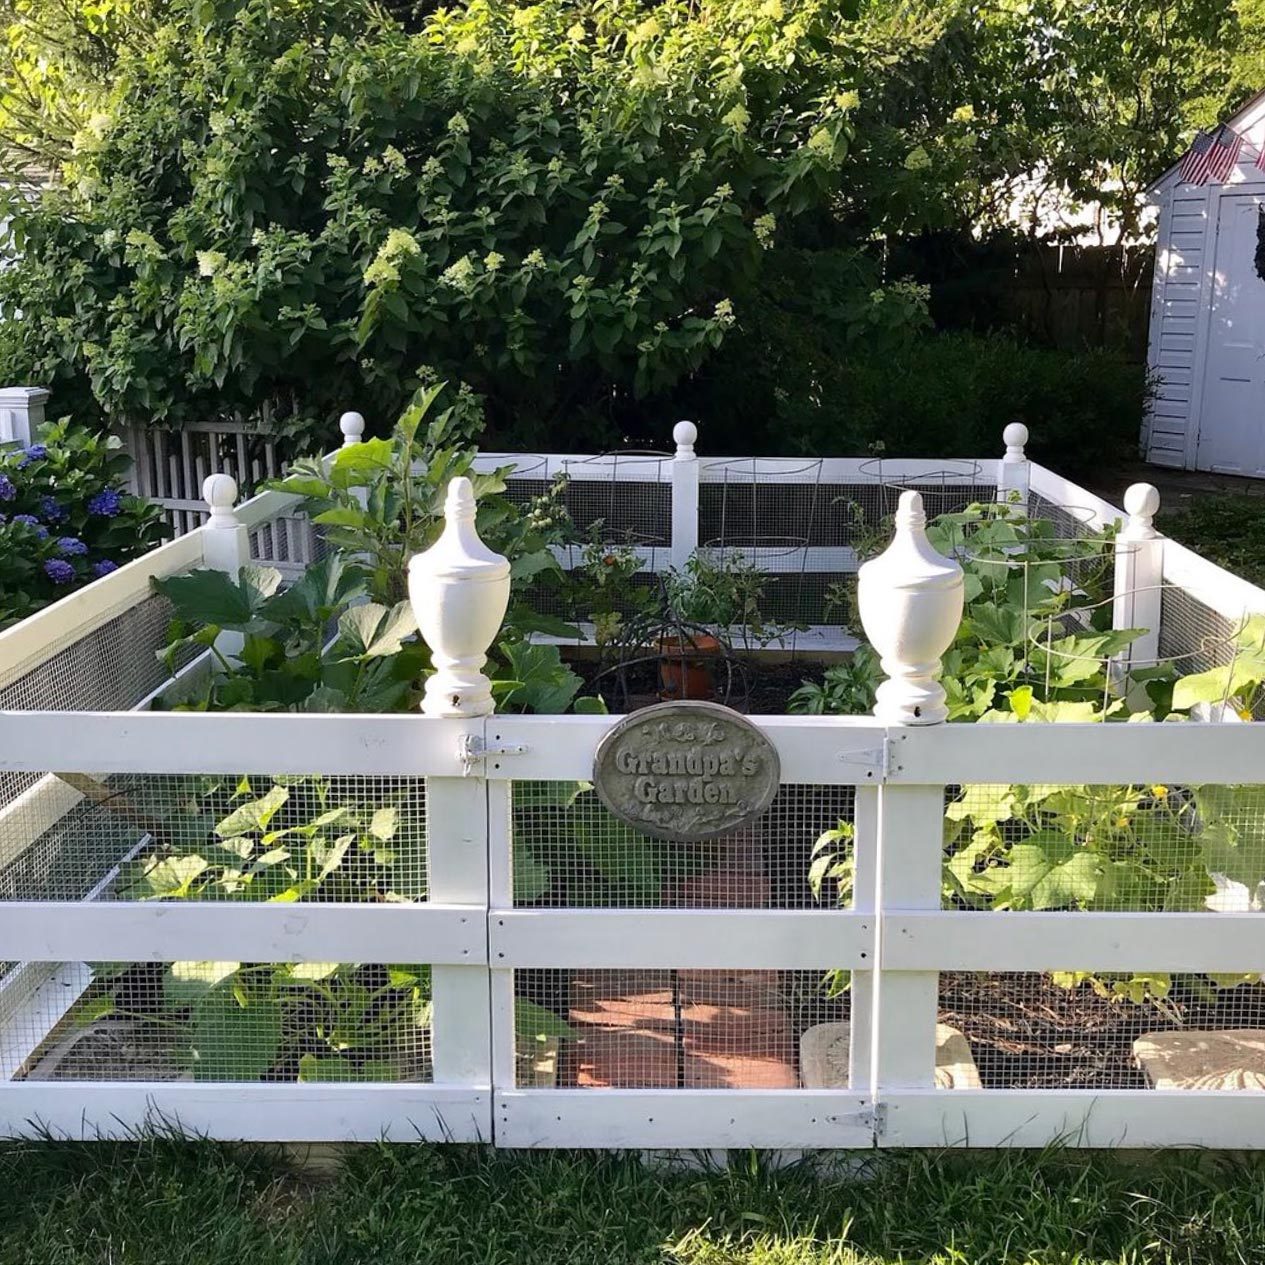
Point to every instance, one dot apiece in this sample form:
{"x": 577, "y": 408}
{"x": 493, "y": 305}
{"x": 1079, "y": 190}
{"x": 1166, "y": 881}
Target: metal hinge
{"x": 873, "y": 1118}
{"x": 475, "y": 752}
{"x": 875, "y": 761}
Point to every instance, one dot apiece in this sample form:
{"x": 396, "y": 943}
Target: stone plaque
{"x": 686, "y": 771}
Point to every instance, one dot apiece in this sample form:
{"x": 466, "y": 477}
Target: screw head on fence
{"x": 353, "y": 427}
{"x": 910, "y": 599}
{"x": 459, "y": 590}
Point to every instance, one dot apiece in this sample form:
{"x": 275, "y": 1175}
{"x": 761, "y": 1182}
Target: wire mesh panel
{"x": 1109, "y": 1030}
{"x": 808, "y": 536}
{"x": 1154, "y": 848}
{"x": 1097, "y": 849}
{"x": 570, "y": 850}
{"x": 1193, "y": 635}
{"x": 226, "y": 1021}
{"x": 200, "y": 837}
{"x": 112, "y": 668}
{"x": 680, "y": 1029}
{"x": 1071, "y": 522}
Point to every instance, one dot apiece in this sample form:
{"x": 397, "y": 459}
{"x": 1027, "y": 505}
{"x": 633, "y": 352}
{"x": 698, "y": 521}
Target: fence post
{"x": 910, "y": 601}
{"x": 225, "y": 543}
{"x": 684, "y": 495}
{"x": 21, "y": 413}
{"x": 1139, "y": 568}
{"x": 352, "y": 426}
{"x": 1015, "y": 472}
{"x": 459, "y": 590}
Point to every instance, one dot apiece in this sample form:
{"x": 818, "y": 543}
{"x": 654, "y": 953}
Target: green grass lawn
{"x": 1228, "y": 530}
{"x": 202, "y": 1204}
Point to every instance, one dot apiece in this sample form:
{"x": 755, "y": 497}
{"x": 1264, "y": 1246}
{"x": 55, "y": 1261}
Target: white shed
{"x": 1207, "y": 334}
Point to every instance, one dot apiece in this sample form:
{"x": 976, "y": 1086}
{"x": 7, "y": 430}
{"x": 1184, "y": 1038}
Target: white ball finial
{"x": 459, "y": 590}
{"x": 910, "y": 599}
{"x": 684, "y": 435}
{"x": 219, "y": 491}
{"x": 1142, "y": 503}
{"x": 353, "y": 427}
{"x": 1016, "y": 437}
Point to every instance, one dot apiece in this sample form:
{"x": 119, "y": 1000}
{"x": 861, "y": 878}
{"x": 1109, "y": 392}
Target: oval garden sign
{"x": 686, "y": 771}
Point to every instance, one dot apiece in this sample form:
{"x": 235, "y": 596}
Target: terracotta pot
{"x": 684, "y": 668}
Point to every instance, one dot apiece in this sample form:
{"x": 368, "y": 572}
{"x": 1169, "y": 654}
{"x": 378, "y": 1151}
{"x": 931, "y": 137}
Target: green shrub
{"x": 947, "y": 395}
{"x": 293, "y": 205}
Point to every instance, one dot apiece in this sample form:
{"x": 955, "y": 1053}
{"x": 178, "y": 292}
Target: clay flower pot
{"x": 685, "y": 667}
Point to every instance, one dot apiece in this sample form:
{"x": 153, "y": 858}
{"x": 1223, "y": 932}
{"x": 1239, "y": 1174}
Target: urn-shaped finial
{"x": 459, "y": 590}
{"x": 910, "y": 599}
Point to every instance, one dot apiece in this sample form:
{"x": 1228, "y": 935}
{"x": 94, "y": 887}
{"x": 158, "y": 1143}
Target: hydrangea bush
{"x": 64, "y": 517}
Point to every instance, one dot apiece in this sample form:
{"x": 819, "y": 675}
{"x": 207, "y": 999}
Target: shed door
{"x": 1232, "y": 416}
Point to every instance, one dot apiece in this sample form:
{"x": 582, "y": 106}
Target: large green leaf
{"x": 232, "y": 1042}
{"x": 371, "y": 631}
{"x": 173, "y": 877}
{"x": 536, "y": 1023}
{"x": 545, "y": 684}
{"x": 213, "y": 597}
{"x": 313, "y": 601}
{"x": 254, "y": 815}
{"x": 1075, "y": 882}
{"x": 188, "y": 982}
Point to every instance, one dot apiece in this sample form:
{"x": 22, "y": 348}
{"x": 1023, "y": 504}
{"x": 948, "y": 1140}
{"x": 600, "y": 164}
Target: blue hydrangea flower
{"x": 51, "y": 510}
{"x": 106, "y": 503}
{"x": 71, "y": 547}
{"x": 58, "y": 571}
{"x": 36, "y": 452}
{"x": 31, "y": 521}
{"x": 104, "y": 567}
{"x": 7, "y": 490}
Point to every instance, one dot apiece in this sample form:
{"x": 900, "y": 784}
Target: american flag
{"x": 1211, "y": 156}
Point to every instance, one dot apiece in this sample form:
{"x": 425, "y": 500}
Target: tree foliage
{"x": 294, "y": 203}
{"x": 274, "y": 209}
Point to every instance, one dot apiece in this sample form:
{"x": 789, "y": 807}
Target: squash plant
{"x": 1031, "y": 649}
{"x": 342, "y": 638}
{"x": 279, "y": 840}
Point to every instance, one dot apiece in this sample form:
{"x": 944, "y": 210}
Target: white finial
{"x": 353, "y": 427}
{"x": 219, "y": 491}
{"x": 1015, "y": 436}
{"x": 684, "y": 435}
{"x": 1142, "y": 502}
{"x": 459, "y": 590}
{"x": 910, "y": 599}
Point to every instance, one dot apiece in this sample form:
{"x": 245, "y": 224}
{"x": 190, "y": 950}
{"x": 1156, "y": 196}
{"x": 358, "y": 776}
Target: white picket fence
{"x": 894, "y": 937}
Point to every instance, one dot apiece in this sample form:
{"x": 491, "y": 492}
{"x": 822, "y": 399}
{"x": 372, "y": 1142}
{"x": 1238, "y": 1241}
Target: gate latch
{"x": 474, "y": 753}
